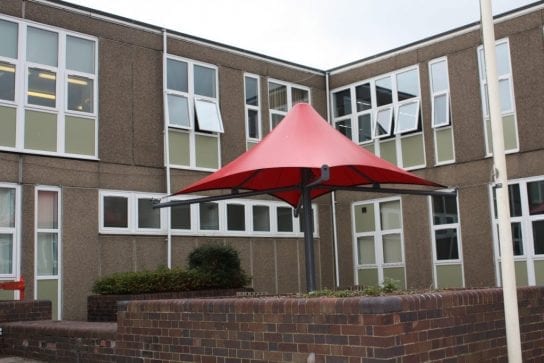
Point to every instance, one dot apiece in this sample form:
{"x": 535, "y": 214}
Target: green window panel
{"x": 521, "y": 273}
{"x": 364, "y": 218}
{"x": 368, "y": 277}
{"x": 40, "y": 131}
{"x": 366, "y": 250}
{"x": 48, "y": 290}
{"x": 392, "y": 249}
{"x": 8, "y": 126}
{"x": 7, "y": 294}
{"x": 179, "y": 148}
{"x": 449, "y": 276}
{"x": 206, "y": 148}
{"x": 509, "y": 130}
{"x": 388, "y": 151}
{"x": 370, "y": 147}
{"x": 444, "y": 145}
{"x": 395, "y": 273}
{"x": 80, "y": 135}
{"x": 539, "y": 272}
{"x": 413, "y": 153}
{"x": 251, "y": 144}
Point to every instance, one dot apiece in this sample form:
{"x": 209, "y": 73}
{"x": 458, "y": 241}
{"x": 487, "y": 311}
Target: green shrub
{"x": 220, "y": 264}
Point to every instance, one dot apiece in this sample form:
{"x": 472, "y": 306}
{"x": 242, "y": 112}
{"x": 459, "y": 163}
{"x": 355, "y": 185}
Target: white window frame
{"x": 58, "y": 231}
{"x": 438, "y": 227}
{"x": 378, "y": 235}
{"x": 484, "y": 97}
{"x": 61, "y": 103}
{"x": 253, "y": 108}
{"x": 289, "y": 89}
{"x": 525, "y": 220}
{"x": 15, "y": 231}
{"x": 192, "y": 98}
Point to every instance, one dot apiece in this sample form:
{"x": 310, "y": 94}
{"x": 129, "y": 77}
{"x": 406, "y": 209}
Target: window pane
{"x": 80, "y": 94}
{"x": 390, "y": 215}
{"x": 209, "y": 216}
{"x": 8, "y": 39}
{"x": 261, "y": 218}
{"x": 276, "y": 119}
{"x": 503, "y": 59}
{"x": 236, "y": 217}
{"x": 7, "y": 207}
{"x": 444, "y": 210}
{"x": 252, "y": 91}
{"x": 392, "y": 251}
{"x": 514, "y": 200}
{"x": 47, "y": 254}
{"x": 366, "y": 251}
{"x": 42, "y": 46}
{"x": 439, "y": 76}
{"x": 538, "y": 237}
{"x": 176, "y": 75}
{"x": 535, "y": 194}
{"x": 208, "y": 116}
{"x": 285, "y": 219}
{"x": 365, "y": 127}
{"x": 79, "y": 137}
{"x": 207, "y": 151}
{"x": 344, "y": 127}
{"x": 48, "y": 209}
{"x": 80, "y": 54}
{"x": 407, "y": 85}
{"x": 180, "y": 217}
{"x": 178, "y": 111}
{"x": 299, "y": 95}
{"x": 440, "y": 110}
{"x": 253, "y": 124}
{"x": 42, "y": 87}
{"x": 384, "y": 93}
{"x": 40, "y": 130}
{"x": 517, "y": 239}
{"x": 6, "y": 253}
{"x": 505, "y": 96}
{"x": 115, "y": 212}
{"x": 383, "y": 122}
{"x": 342, "y": 103}
{"x": 204, "y": 81}
{"x": 364, "y": 218}
{"x": 277, "y": 95}
{"x": 364, "y": 100}
{"x": 147, "y": 216}
{"x": 7, "y": 81}
{"x": 408, "y": 116}
{"x": 446, "y": 244}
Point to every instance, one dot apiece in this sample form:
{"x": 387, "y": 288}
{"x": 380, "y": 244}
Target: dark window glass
{"x": 261, "y": 218}
{"x": 365, "y": 127}
{"x": 535, "y": 194}
{"x": 180, "y": 217}
{"x": 253, "y": 124}
{"x": 444, "y": 210}
{"x": 209, "y": 216}
{"x": 285, "y": 219}
{"x": 7, "y": 81}
{"x": 147, "y": 216}
{"x": 116, "y": 212}
{"x": 446, "y": 244}
{"x": 363, "y": 96}
{"x": 342, "y": 103}
{"x": 236, "y": 217}
{"x": 252, "y": 91}
{"x": 384, "y": 92}
{"x": 344, "y": 127}
{"x": 538, "y": 237}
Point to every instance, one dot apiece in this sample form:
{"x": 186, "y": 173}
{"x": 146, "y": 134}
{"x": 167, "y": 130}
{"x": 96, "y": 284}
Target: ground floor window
{"x": 10, "y": 217}
{"x": 378, "y": 242}
{"x": 526, "y": 197}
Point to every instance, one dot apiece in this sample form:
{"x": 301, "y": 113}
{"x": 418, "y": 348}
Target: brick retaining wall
{"x": 457, "y": 326}
{"x": 13, "y": 310}
{"x": 104, "y": 307}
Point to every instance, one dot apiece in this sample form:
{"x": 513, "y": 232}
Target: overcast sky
{"x": 316, "y": 33}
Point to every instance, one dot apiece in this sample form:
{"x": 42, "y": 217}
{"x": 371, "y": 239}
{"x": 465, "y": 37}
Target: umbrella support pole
{"x": 308, "y": 223}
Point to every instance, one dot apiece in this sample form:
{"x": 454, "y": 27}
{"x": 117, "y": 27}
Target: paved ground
{"x": 18, "y": 360}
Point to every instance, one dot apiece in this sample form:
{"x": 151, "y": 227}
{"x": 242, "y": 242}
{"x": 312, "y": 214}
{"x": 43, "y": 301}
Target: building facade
{"x": 99, "y": 115}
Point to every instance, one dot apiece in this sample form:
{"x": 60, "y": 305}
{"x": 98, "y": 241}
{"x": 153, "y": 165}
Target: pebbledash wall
{"x": 98, "y": 113}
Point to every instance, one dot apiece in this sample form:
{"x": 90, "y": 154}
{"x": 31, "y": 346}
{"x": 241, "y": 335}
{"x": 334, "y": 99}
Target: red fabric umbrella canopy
{"x": 304, "y": 140}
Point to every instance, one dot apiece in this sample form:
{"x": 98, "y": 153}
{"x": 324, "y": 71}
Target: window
{"x": 48, "y": 92}
{"x": 383, "y": 115}
{"x": 282, "y": 96}
{"x": 252, "y": 109}
{"x": 10, "y": 205}
{"x": 261, "y": 218}
{"x": 236, "y": 217}
{"x": 526, "y": 199}
{"x": 506, "y": 94}
{"x": 378, "y": 241}
{"x": 448, "y": 266}
{"x": 440, "y": 111}
{"x": 193, "y": 116}
{"x": 48, "y": 247}
{"x": 209, "y": 216}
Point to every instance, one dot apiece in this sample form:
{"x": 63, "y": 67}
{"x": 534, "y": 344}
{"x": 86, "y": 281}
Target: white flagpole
{"x": 511, "y": 315}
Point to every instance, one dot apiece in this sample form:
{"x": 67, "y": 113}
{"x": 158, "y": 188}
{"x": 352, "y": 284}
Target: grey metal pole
{"x": 308, "y": 231}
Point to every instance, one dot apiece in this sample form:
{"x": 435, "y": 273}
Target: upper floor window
{"x": 48, "y": 92}
{"x": 193, "y": 117}
{"x": 282, "y": 96}
{"x": 506, "y": 95}
{"x": 252, "y": 109}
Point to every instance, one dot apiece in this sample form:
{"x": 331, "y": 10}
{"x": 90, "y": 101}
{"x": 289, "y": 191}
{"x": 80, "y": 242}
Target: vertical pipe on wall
{"x": 511, "y": 314}
{"x": 333, "y": 198}
{"x": 166, "y": 147}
